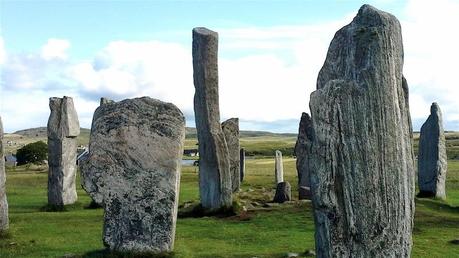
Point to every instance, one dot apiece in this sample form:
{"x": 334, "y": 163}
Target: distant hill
{"x": 191, "y": 133}
{"x": 41, "y": 132}
{"x": 256, "y": 142}
{"x": 83, "y": 138}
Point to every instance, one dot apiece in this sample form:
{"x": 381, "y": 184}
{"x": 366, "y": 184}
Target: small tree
{"x": 35, "y": 152}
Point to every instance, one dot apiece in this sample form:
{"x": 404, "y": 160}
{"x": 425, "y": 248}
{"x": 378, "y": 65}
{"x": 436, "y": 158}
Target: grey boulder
{"x": 230, "y": 128}
{"x": 242, "y": 163}
{"x": 4, "y": 222}
{"x": 278, "y": 167}
{"x": 432, "y": 159}
{"x": 63, "y": 128}
{"x": 133, "y": 170}
{"x": 283, "y": 192}
{"x": 215, "y": 185}
{"x": 361, "y": 162}
{"x": 302, "y": 147}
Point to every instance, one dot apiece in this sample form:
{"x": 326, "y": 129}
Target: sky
{"x": 270, "y": 53}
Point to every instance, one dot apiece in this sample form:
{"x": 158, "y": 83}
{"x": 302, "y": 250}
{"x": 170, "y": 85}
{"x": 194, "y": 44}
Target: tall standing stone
{"x": 4, "y": 222}
{"x": 231, "y": 130}
{"x": 242, "y": 163}
{"x": 361, "y": 165}
{"x": 302, "y": 147}
{"x": 278, "y": 167}
{"x": 432, "y": 160}
{"x": 133, "y": 170}
{"x": 215, "y": 185}
{"x": 63, "y": 128}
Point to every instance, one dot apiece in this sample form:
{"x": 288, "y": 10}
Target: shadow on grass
{"x": 105, "y": 253}
{"x": 4, "y": 234}
{"x": 53, "y": 208}
{"x": 437, "y": 204}
{"x": 61, "y": 208}
{"x": 192, "y": 210}
{"x": 93, "y": 205}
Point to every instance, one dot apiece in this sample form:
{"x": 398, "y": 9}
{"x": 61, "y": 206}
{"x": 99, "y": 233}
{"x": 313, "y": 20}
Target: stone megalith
{"x": 278, "y": 167}
{"x": 215, "y": 185}
{"x": 432, "y": 160}
{"x": 283, "y": 192}
{"x": 4, "y": 222}
{"x": 242, "y": 163}
{"x": 302, "y": 146}
{"x": 104, "y": 101}
{"x": 133, "y": 170}
{"x": 231, "y": 131}
{"x": 361, "y": 164}
{"x": 63, "y": 129}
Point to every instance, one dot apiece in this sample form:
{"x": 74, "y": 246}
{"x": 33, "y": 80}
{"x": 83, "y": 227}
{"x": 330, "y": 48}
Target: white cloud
{"x": 275, "y": 82}
{"x": 2, "y": 51}
{"x": 55, "y": 49}
{"x": 430, "y": 43}
{"x": 132, "y": 69}
{"x": 266, "y": 74}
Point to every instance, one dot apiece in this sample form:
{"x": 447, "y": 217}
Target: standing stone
{"x": 432, "y": 164}
{"x": 3, "y": 202}
{"x": 104, "y": 101}
{"x": 133, "y": 170}
{"x": 231, "y": 130}
{"x": 279, "y": 167}
{"x": 242, "y": 163}
{"x": 302, "y": 147}
{"x": 63, "y": 128}
{"x": 215, "y": 185}
{"x": 283, "y": 192}
{"x": 361, "y": 164}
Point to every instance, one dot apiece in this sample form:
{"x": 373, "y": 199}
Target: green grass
{"x": 259, "y": 146}
{"x": 452, "y": 144}
{"x": 262, "y": 232}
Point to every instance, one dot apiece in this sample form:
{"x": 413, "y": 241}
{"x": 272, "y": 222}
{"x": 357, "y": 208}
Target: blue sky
{"x": 90, "y": 25}
{"x": 270, "y": 53}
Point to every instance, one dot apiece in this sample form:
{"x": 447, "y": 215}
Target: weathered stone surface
{"x": 4, "y": 222}
{"x": 283, "y": 192}
{"x": 361, "y": 164}
{"x": 104, "y": 101}
{"x": 304, "y": 193}
{"x": 278, "y": 167}
{"x": 215, "y": 185}
{"x": 432, "y": 160}
{"x": 242, "y": 163}
{"x": 231, "y": 131}
{"x": 63, "y": 128}
{"x": 133, "y": 170}
{"x": 302, "y": 147}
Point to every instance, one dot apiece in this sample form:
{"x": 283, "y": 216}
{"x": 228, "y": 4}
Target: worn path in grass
{"x": 264, "y": 232}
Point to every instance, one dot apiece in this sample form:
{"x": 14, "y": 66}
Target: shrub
{"x": 35, "y": 152}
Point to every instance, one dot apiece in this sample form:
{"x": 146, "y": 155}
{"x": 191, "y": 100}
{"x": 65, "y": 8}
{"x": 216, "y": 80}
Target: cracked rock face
{"x": 63, "y": 128}
{"x": 215, "y": 185}
{"x": 133, "y": 170}
{"x": 361, "y": 165}
{"x": 432, "y": 159}
{"x": 302, "y": 147}
{"x": 231, "y": 130}
{"x": 3, "y": 202}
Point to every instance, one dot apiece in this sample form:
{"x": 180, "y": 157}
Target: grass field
{"x": 261, "y": 232}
